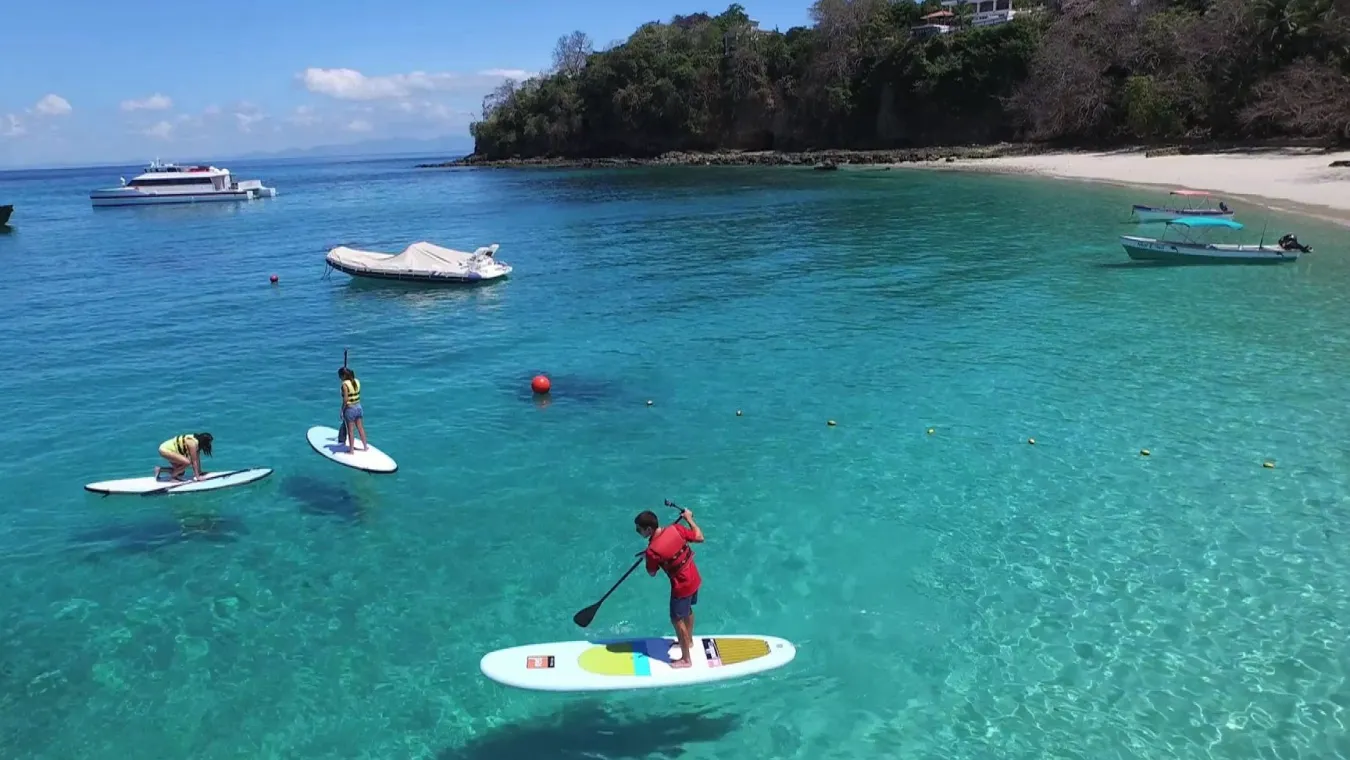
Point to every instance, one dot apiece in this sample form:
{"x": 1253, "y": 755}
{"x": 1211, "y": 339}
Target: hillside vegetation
{"x": 1072, "y": 72}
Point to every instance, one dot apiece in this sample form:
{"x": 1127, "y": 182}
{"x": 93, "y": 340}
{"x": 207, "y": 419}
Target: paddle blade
{"x": 585, "y": 617}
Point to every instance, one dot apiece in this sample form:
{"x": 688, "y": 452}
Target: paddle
{"x": 176, "y": 483}
{"x": 584, "y": 617}
{"x": 342, "y": 419}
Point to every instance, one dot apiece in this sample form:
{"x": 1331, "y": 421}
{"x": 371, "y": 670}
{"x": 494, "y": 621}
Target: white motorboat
{"x": 1190, "y": 249}
{"x": 421, "y": 262}
{"x": 170, "y": 183}
{"x": 1198, "y": 204}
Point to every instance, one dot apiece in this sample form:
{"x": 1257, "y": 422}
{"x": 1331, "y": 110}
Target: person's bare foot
{"x": 681, "y": 664}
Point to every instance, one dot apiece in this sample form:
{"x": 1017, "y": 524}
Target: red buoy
{"x": 540, "y": 384}
{"x": 274, "y": 279}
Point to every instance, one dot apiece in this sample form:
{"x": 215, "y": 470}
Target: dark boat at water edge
{"x": 5, "y": 211}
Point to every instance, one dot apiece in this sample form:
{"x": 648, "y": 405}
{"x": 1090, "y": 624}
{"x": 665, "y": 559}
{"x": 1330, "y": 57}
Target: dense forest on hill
{"x": 1080, "y": 72}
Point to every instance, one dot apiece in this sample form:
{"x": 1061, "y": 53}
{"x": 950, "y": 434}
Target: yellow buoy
{"x": 1031, "y": 441}
{"x": 830, "y": 423}
{"x": 1143, "y": 452}
{"x": 930, "y": 431}
{"x": 1268, "y": 464}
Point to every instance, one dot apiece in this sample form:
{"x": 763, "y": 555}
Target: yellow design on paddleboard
{"x": 733, "y": 651}
{"x": 614, "y": 660}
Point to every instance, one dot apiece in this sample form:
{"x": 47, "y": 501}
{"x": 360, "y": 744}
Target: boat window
{"x": 171, "y": 181}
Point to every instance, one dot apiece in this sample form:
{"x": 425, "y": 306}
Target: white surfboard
{"x": 641, "y": 663}
{"x": 324, "y": 440}
{"x": 150, "y": 485}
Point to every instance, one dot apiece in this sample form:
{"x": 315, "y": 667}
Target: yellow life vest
{"x": 351, "y": 391}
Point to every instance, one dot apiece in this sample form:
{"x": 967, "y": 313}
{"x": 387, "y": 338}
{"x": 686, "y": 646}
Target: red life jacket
{"x": 670, "y": 550}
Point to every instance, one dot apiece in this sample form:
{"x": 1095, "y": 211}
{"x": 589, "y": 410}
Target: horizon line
{"x": 299, "y": 155}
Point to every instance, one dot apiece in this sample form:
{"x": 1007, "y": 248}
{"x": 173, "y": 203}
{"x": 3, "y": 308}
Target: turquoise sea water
{"x": 962, "y": 594}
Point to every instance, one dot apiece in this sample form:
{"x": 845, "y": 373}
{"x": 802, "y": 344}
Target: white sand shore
{"x": 1287, "y": 180}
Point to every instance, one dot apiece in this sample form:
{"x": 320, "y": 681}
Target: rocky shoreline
{"x": 823, "y": 159}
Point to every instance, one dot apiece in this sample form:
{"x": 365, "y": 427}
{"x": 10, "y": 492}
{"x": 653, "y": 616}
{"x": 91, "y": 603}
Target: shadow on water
{"x": 1127, "y": 265}
{"x": 565, "y": 387}
{"x": 588, "y": 731}
{"x": 184, "y": 212}
{"x": 359, "y": 289}
{"x": 317, "y": 497}
{"x": 1145, "y": 264}
{"x": 149, "y": 535}
{"x": 645, "y": 184}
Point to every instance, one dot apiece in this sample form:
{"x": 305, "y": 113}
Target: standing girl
{"x": 352, "y": 415}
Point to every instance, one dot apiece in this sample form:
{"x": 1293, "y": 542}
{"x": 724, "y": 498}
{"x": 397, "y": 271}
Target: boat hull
{"x": 1147, "y": 249}
{"x": 5, "y": 212}
{"x": 1157, "y": 214}
{"x": 117, "y": 198}
{"x": 429, "y": 278}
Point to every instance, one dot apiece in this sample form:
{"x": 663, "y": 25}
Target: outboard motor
{"x": 1290, "y": 243}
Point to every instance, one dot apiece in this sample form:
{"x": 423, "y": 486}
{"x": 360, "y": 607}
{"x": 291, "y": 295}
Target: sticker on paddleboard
{"x": 150, "y": 485}
{"x": 640, "y": 663}
{"x": 324, "y": 440}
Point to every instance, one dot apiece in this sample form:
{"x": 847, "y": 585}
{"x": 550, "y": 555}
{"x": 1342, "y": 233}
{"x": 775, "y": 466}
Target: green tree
{"x": 1084, "y": 71}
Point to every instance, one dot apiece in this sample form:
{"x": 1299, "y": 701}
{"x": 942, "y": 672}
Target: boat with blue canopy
{"x": 1188, "y": 245}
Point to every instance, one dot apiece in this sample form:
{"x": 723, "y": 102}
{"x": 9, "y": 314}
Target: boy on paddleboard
{"x": 668, "y": 549}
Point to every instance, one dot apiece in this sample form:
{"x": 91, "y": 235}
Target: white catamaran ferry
{"x": 170, "y": 183}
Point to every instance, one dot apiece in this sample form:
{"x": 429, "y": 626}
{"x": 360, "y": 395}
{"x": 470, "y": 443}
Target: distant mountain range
{"x": 393, "y": 147}
{"x": 389, "y": 146}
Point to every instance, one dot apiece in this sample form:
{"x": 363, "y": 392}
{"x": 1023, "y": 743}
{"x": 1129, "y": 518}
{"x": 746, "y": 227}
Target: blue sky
{"x": 188, "y": 80}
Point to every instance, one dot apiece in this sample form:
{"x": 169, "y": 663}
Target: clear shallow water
{"x": 955, "y": 595}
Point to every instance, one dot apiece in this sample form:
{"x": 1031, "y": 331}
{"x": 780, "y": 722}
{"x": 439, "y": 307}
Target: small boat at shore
{"x": 1190, "y": 249}
{"x": 421, "y": 262}
{"x": 1198, "y": 204}
{"x": 5, "y": 212}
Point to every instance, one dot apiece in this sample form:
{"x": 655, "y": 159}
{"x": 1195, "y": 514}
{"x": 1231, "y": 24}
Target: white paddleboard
{"x": 324, "y": 440}
{"x": 641, "y": 663}
{"x": 150, "y": 484}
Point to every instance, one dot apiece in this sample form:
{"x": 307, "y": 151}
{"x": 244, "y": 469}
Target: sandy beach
{"x": 1293, "y": 180}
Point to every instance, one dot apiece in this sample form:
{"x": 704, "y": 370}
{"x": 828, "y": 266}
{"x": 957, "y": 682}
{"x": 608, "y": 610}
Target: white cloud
{"x": 350, "y": 84}
{"x": 161, "y": 129}
{"x": 247, "y": 120}
{"x": 359, "y": 125}
{"x": 429, "y": 110}
{"x": 53, "y": 105}
{"x": 303, "y": 116}
{"x": 519, "y": 75}
{"x": 10, "y": 126}
{"x": 156, "y": 102}
{"x": 246, "y": 114}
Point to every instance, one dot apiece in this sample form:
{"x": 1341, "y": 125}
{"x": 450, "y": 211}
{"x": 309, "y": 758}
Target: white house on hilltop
{"x": 987, "y": 12}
